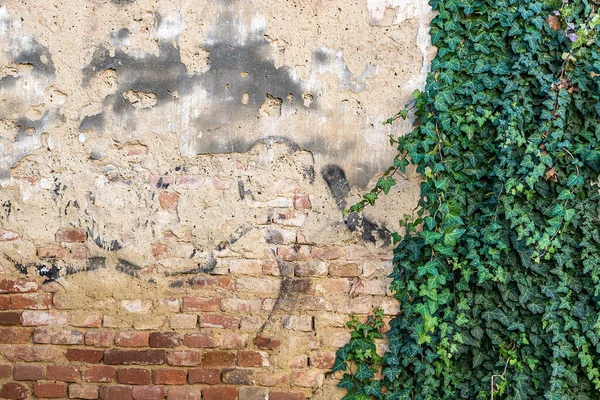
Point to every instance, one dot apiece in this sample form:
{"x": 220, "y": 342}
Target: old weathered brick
{"x": 218, "y": 359}
{"x": 265, "y": 343}
{"x": 219, "y": 321}
{"x": 102, "y": 338}
{"x": 52, "y": 251}
{"x": 148, "y": 393}
{"x": 189, "y": 182}
{"x": 344, "y": 270}
{"x": 8, "y": 236}
{"x": 184, "y": 321}
{"x": 50, "y": 390}
{"x": 309, "y": 379}
{"x": 85, "y": 320}
{"x": 142, "y": 357}
{"x": 263, "y": 286}
{"x": 136, "y": 306}
{"x": 23, "y": 372}
{"x": 10, "y": 318}
{"x": 35, "y": 353}
{"x": 299, "y": 361}
{"x": 70, "y": 235}
{"x": 208, "y": 376}
{"x": 322, "y": 359}
{"x": 297, "y": 322}
{"x": 5, "y": 371}
{"x": 220, "y": 393}
{"x": 64, "y": 373}
{"x": 293, "y": 253}
{"x": 233, "y": 341}
{"x": 253, "y": 393}
{"x": 191, "y": 303}
{"x": 168, "y": 201}
{"x": 13, "y": 390}
{"x": 268, "y": 378}
{"x": 85, "y": 355}
{"x": 335, "y": 286}
{"x": 4, "y": 302}
{"x": 245, "y": 267}
{"x": 302, "y": 202}
{"x": 184, "y": 357}
{"x": 31, "y": 301}
{"x": 88, "y": 392}
{"x": 15, "y": 335}
{"x": 286, "y": 396}
{"x": 159, "y": 250}
{"x": 311, "y": 268}
{"x": 44, "y": 318}
{"x": 99, "y": 374}
{"x": 58, "y": 336}
{"x": 251, "y": 359}
{"x": 210, "y": 282}
{"x": 167, "y": 376}
{"x": 134, "y": 376}
{"x": 241, "y": 305}
{"x": 199, "y": 339}
{"x": 18, "y": 285}
{"x": 238, "y": 377}
{"x": 132, "y": 339}
{"x": 164, "y": 339}
{"x": 116, "y": 393}
{"x": 184, "y": 393}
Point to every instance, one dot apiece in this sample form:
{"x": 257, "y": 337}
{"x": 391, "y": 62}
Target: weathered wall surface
{"x": 172, "y": 180}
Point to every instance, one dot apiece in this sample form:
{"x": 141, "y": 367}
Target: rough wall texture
{"x": 172, "y": 180}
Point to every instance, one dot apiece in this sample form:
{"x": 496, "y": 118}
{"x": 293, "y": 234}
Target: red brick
{"x": 99, "y": 338}
{"x": 265, "y": 343}
{"x": 293, "y": 253}
{"x": 159, "y": 250}
{"x": 253, "y": 393}
{"x": 302, "y": 202}
{"x": 70, "y": 235}
{"x": 148, "y": 393}
{"x": 28, "y": 372}
{"x": 10, "y": 318}
{"x": 35, "y": 353}
{"x": 219, "y": 321}
{"x": 142, "y": 357}
{"x": 85, "y": 355}
{"x": 4, "y": 302}
{"x": 79, "y": 252}
{"x": 50, "y": 390}
{"x": 238, "y": 377}
{"x": 5, "y": 371}
{"x": 98, "y": 373}
{"x": 18, "y": 286}
{"x": 88, "y": 392}
{"x": 60, "y": 336}
{"x": 134, "y": 376}
{"x": 52, "y": 251}
{"x": 168, "y": 201}
{"x": 183, "y": 393}
{"x": 326, "y": 253}
{"x": 286, "y": 396}
{"x": 132, "y": 339}
{"x": 183, "y": 357}
{"x": 200, "y": 339}
{"x": 44, "y": 318}
{"x": 299, "y": 361}
{"x": 267, "y": 378}
{"x": 250, "y": 359}
{"x": 62, "y": 373}
{"x": 233, "y": 341}
{"x": 208, "y": 376}
{"x": 322, "y": 360}
{"x": 31, "y": 301}
{"x": 164, "y": 339}
{"x": 170, "y": 376}
{"x": 86, "y": 321}
{"x": 116, "y": 393}
{"x": 309, "y": 379}
{"x": 15, "y": 335}
{"x": 184, "y": 321}
{"x": 220, "y": 393}
{"x": 218, "y": 359}
{"x": 210, "y": 282}
{"x": 344, "y": 270}
{"x": 191, "y": 303}
{"x": 13, "y": 390}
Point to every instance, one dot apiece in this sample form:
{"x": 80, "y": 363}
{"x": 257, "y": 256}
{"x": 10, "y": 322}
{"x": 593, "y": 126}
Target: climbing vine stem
{"x": 498, "y": 271}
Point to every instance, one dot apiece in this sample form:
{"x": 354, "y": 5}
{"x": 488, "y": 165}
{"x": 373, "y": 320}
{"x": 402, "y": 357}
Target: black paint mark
{"x": 92, "y": 123}
{"x": 309, "y": 173}
{"x": 110, "y": 245}
{"x": 370, "y": 231}
{"x": 206, "y": 267}
{"x": 273, "y": 236}
{"x": 160, "y": 184}
{"x": 128, "y": 268}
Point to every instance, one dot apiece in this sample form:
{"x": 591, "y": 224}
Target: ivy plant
{"x": 498, "y": 276}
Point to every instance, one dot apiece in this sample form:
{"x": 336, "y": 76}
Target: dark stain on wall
{"x": 92, "y": 123}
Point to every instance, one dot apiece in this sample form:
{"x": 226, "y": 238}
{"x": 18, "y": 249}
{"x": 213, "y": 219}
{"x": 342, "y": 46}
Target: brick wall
{"x": 173, "y": 175}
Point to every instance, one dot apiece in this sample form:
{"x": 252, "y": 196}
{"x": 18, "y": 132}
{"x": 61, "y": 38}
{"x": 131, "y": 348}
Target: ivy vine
{"x": 498, "y": 276}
